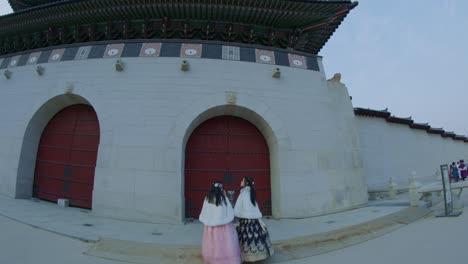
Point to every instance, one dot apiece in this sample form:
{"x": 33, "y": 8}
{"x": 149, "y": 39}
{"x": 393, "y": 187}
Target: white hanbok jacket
{"x": 212, "y": 215}
{"x": 244, "y": 207}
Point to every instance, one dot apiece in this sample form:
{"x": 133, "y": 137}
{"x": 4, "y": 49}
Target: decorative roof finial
{"x": 336, "y": 77}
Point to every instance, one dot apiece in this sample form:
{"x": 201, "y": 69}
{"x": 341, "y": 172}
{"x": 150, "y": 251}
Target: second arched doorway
{"x": 226, "y": 148}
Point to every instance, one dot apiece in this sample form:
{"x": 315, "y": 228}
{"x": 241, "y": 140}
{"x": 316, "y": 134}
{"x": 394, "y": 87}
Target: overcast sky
{"x": 408, "y": 56}
{"x": 4, "y": 7}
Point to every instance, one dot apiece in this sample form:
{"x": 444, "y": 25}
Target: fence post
{"x": 413, "y": 194}
{"x": 391, "y": 190}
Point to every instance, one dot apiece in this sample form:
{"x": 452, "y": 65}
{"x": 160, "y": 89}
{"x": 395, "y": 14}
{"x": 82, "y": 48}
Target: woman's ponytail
{"x": 253, "y": 194}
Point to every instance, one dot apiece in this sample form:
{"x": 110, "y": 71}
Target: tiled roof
{"x": 434, "y": 130}
{"x": 423, "y": 126}
{"x": 300, "y": 25}
{"x": 371, "y": 112}
{"x": 400, "y": 120}
{"x": 385, "y": 114}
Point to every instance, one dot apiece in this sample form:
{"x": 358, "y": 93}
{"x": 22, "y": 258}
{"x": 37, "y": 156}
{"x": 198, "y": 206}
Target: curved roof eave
{"x": 301, "y": 25}
{"x": 20, "y": 5}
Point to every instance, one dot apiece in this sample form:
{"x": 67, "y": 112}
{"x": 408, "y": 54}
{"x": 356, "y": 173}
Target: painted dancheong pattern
{"x": 156, "y": 49}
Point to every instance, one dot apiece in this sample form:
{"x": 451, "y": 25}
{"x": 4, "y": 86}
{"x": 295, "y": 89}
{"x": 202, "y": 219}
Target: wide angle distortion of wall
{"x": 144, "y": 111}
{"x": 396, "y": 150}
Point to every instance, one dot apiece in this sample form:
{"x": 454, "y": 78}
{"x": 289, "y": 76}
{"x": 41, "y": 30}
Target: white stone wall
{"x": 396, "y": 150}
{"x": 147, "y": 112}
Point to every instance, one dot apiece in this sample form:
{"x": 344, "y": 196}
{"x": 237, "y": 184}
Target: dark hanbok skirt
{"x": 254, "y": 240}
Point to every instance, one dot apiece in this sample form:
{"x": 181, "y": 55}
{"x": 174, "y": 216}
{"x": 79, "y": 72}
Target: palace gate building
{"x": 131, "y": 108}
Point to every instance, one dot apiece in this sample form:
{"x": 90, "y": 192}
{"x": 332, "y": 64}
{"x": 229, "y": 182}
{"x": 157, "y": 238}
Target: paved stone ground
{"x": 23, "y": 244}
{"x": 285, "y": 250}
{"x": 430, "y": 240}
{"x": 83, "y": 224}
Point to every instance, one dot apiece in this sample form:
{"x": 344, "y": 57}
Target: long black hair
{"x": 216, "y": 195}
{"x": 249, "y": 181}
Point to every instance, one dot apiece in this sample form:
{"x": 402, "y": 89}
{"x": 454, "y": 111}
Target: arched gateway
{"x": 150, "y": 105}
{"x": 226, "y": 148}
{"x": 66, "y": 157}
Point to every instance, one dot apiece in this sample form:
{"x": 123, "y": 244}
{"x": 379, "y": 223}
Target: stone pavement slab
{"x": 84, "y": 225}
{"x": 285, "y": 250}
{"x": 138, "y": 242}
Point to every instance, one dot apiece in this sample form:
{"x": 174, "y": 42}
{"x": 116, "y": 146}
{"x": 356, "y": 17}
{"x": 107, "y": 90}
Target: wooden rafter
{"x": 303, "y": 25}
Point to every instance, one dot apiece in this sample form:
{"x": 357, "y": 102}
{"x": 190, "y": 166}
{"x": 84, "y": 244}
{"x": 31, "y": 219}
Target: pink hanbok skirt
{"x": 220, "y": 245}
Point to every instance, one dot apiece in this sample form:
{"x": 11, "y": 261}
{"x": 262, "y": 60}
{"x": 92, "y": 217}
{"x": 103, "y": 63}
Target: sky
{"x": 408, "y": 56}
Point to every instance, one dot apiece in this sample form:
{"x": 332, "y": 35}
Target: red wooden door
{"x": 226, "y": 149}
{"x": 66, "y": 158}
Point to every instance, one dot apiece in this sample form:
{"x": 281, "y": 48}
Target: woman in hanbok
{"x": 463, "y": 170}
{"x": 455, "y": 173}
{"x": 220, "y": 244}
{"x": 452, "y": 179}
{"x": 254, "y": 240}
